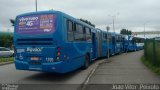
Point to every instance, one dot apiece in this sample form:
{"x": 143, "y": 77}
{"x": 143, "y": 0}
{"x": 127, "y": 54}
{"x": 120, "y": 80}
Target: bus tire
{"x": 86, "y": 62}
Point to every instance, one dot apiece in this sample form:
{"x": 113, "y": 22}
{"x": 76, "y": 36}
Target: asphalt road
{"x": 32, "y": 80}
{"x": 124, "y": 68}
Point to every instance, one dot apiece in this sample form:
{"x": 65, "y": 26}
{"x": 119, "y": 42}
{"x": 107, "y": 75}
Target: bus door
{"x": 123, "y": 43}
{"x": 93, "y": 45}
{"x": 113, "y": 44}
{"x": 99, "y": 42}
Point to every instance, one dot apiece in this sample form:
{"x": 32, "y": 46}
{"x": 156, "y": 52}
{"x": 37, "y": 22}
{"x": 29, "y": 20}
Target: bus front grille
{"x": 35, "y": 63}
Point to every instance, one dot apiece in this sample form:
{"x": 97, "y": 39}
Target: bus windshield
{"x": 36, "y": 24}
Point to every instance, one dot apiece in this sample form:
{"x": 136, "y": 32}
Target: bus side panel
{"x": 104, "y": 45}
{"x": 99, "y": 43}
{"x": 94, "y": 47}
{"x": 75, "y": 51}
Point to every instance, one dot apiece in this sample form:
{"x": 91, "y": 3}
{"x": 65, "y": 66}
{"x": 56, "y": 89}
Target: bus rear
{"x": 37, "y": 42}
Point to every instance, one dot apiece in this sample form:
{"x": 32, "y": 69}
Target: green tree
{"x": 123, "y": 31}
{"x": 6, "y": 40}
{"x": 129, "y": 32}
{"x": 12, "y": 21}
{"x": 126, "y": 32}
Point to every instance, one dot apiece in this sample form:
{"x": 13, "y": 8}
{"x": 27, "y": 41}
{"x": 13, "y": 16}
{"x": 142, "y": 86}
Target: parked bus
{"x": 118, "y": 43}
{"x": 129, "y": 43}
{"x": 107, "y": 44}
{"x": 111, "y": 37}
{"x": 139, "y": 42}
{"x": 52, "y": 41}
{"x": 133, "y": 43}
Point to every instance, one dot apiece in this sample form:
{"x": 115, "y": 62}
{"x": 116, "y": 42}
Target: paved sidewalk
{"x": 124, "y": 69}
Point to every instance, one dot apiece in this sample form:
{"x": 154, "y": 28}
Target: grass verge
{"x": 154, "y": 68}
{"x": 10, "y": 59}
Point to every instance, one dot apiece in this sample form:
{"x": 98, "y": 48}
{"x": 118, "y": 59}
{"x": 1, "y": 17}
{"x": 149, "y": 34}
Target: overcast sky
{"x": 130, "y": 14}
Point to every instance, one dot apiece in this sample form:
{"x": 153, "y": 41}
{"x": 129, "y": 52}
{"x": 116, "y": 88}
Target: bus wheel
{"x": 86, "y": 62}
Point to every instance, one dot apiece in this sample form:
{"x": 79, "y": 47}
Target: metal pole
{"x": 36, "y": 5}
{"x": 108, "y": 43}
{"x": 144, "y": 31}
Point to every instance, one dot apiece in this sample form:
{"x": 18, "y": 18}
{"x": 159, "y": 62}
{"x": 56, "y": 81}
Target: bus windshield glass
{"x": 36, "y": 24}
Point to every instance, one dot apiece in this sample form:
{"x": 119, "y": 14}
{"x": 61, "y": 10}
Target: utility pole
{"x": 144, "y": 30}
{"x": 36, "y": 5}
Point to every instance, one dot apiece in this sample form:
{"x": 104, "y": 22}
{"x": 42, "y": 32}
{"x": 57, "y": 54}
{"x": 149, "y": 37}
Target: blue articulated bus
{"x": 115, "y": 43}
{"x": 139, "y": 42}
{"x": 102, "y": 37}
{"x": 52, "y": 41}
{"x": 130, "y": 43}
{"x": 112, "y": 43}
{"x": 118, "y": 43}
{"x": 99, "y": 40}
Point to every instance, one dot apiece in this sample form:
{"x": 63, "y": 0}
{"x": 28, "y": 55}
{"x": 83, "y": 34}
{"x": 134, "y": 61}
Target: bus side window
{"x": 70, "y": 33}
{"x": 79, "y": 33}
{"x": 88, "y": 34}
{"x": 118, "y": 38}
{"x": 110, "y": 38}
{"x": 105, "y": 37}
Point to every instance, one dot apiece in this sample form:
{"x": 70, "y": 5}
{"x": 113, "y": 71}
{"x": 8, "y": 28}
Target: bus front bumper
{"x": 55, "y": 67}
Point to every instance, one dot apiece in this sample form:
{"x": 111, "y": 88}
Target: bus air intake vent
{"x": 35, "y": 41}
{"x": 35, "y": 63}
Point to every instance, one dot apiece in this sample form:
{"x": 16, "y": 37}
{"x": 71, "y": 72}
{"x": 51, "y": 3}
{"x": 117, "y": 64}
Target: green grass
{"x": 154, "y": 68}
{"x": 10, "y": 59}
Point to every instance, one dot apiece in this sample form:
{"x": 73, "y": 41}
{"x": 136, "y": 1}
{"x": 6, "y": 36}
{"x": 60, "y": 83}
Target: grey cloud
{"x": 132, "y": 13}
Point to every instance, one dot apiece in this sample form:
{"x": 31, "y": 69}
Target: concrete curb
{"x": 5, "y": 63}
{"x": 85, "y": 83}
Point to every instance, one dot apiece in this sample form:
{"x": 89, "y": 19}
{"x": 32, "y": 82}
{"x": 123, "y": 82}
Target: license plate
{"x": 34, "y": 58}
{"x": 35, "y": 67}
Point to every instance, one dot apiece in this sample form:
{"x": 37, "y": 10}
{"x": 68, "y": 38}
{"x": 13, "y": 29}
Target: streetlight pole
{"x": 36, "y": 5}
{"x": 113, "y": 20}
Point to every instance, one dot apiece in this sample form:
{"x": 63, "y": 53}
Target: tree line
{"x": 6, "y": 41}
{"x": 126, "y": 32}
